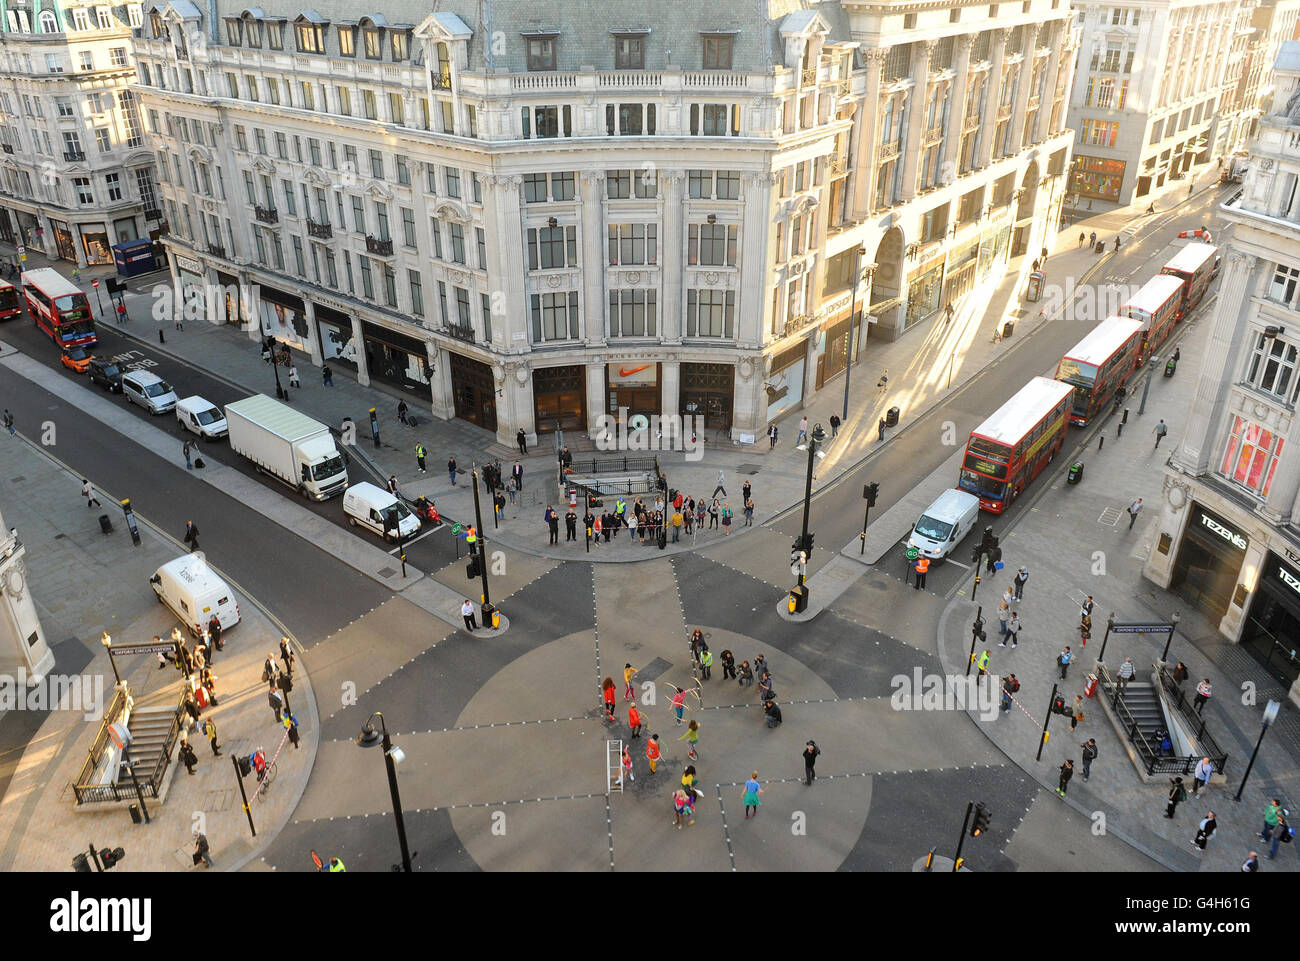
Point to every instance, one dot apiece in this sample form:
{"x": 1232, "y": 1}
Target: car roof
{"x": 143, "y": 376}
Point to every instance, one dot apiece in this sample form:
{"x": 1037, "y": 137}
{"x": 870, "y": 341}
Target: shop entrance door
{"x": 473, "y": 392}
{"x": 1201, "y": 578}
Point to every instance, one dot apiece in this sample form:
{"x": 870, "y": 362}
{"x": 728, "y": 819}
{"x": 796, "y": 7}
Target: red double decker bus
{"x": 1156, "y": 305}
{"x": 1195, "y": 265}
{"x": 1013, "y": 446}
{"x": 10, "y": 305}
{"x": 1098, "y": 365}
{"x": 59, "y": 308}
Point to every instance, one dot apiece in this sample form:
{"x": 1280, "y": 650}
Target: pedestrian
{"x": 765, "y": 692}
{"x": 122, "y": 318}
{"x": 1064, "y": 659}
{"x": 286, "y": 655}
{"x": 722, "y": 479}
{"x": 1205, "y": 830}
{"x": 810, "y": 753}
{"x": 451, "y": 470}
{"x": 1133, "y": 512}
{"x": 191, "y": 535}
{"x": 706, "y": 663}
{"x": 652, "y": 753}
{"x": 627, "y": 764}
{"x": 512, "y": 489}
{"x": 187, "y": 755}
{"x": 750, "y": 798}
{"x": 745, "y": 490}
{"x": 1272, "y": 813}
{"x": 420, "y": 454}
{"x": 517, "y": 475}
{"x": 1251, "y": 864}
{"x": 570, "y": 525}
{"x": 771, "y": 436}
{"x": 761, "y": 666}
{"x": 392, "y": 485}
{"x": 677, "y": 523}
{"x": 1203, "y": 693}
{"x": 1013, "y": 629}
{"x": 521, "y": 439}
{"x": 467, "y": 612}
{"x": 327, "y": 376}
{"x": 679, "y": 705}
{"x": 1063, "y": 782}
{"x": 728, "y": 664}
{"x": 1126, "y": 673}
{"x": 291, "y": 728}
{"x": 681, "y": 803}
{"x": 1160, "y": 430}
{"x": 835, "y": 425}
{"x": 773, "y": 714}
{"x": 1082, "y": 237}
{"x": 1044, "y": 256}
{"x": 1089, "y": 755}
{"x": 1085, "y": 610}
{"x": 634, "y": 719}
{"x": 1281, "y": 833}
{"x": 802, "y": 436}
{"x": 210, "y": 730}
{"x": 294, "y": 380}
{"x": 566, "y": 459}
{"x": 1092, "y": 238}
{"x": 746, "y": 676}
{"x": 1201, "y": 776}
{"x": 1077, "y": 714}
{"x": 982, "y": 662}
{"x": 201, "y": 849}
{"x": 726, "y": 518}
{"x": 1022, "y": 576}
{"x": 628, "y": 673}
{"x": 1117, "y": 242}
{"x": 185, "y": 449}
{"x": 88, "y": 492}
{"x": 1035, "y": 265}
{"x": 1010, "y": 685}
{"x": 749, "y": 512}
{"x": 1180, "y": 675}
{"x": 607, "y": 695}
{"x": 922, "y": 568}
{"x": 692, "y": 738}
{"x": 880, "y": 430}
{"x": 553, "y": 522}
{"x": 1177, "y": 794}
{"x": 9, "y": 421}
{"x": 1004, "y": 619}
{"x": 275, "y": 699}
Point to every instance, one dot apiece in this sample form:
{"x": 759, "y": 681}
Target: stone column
{"x": 957, "y": 106}
{"x": 864, "y": 150}
{"x": 1230, "y": 625}
{"x": 671, "y": 257}
{"x": 670, "y": 387}
{"x": 1201, "y": 440}
{"x": 754, "y": 282}
{"x": 313, "y": 332}
{"x": 592, "y": 228}
{"x": 921, "y": 51}
{"x": 1280, "y": 506}
{"x": 597, "y": 402}
{"x": 506, "y": 262}
{"x": 363, "y": 371}
{"x": 443, "y": 405}
{"x": 1049, "y": 86}
{"x": 1022, "y": 91}
{"x": 993, "y": 96}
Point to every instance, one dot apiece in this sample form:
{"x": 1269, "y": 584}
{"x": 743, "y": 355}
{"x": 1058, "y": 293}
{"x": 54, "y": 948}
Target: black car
{"x": 106, "y": 374}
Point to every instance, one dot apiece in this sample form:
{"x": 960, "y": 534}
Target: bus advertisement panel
{"x": 1098, "y": 366}
{"x": 59, "y": 308}
{"x": 1011, "y": 448}
{"x": 1195, "y": 265}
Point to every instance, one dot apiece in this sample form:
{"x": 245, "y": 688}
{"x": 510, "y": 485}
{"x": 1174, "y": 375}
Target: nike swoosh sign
{"x": 624, "y": 372}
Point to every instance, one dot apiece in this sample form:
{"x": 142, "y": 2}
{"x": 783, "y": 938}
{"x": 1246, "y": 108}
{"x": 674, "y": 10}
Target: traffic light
{"x": 1058, "y": 706}
{"x": 110, "y": 856}
{"x": 245, "y": 766}
{"x": 80, "y": 865}
{"x": 977, "y": 629}
{"x": 870, "y": 492}
{"x": 982, "y": 818}
{"x": 808, "y": 544}
{"x": 473, "y": 570}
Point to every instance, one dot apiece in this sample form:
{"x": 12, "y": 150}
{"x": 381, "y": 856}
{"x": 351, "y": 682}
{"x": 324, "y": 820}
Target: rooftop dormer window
{"x": 541, "y": 51}
{"x": 717, "y": 51}
{"x": 372, "y": 38}
{"x": 629, "y": 51}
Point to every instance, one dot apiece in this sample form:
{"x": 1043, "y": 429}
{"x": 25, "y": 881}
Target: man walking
{"x": 419, "y": 457}
{"x": 185, "y": 449}
{"x": 1126, "y": 672}
{"x": 803, "y": 431}
{"x": 88, "y": 492}
{"x": 1160, "y": 430}
{"x": 1067, "y": 772}
{"x": 880, "y": 430}
{"x": 275, "y": 699}
{"x": 1133, "y": 512}
{"x": 286, "y": 655}
{"x": 517, "y": 472}
{"x": 771, "y": 436}
{"x": 1022, "y": 576}
{"x": 451, "y": 470}
{"x": 1013, "y": 630}
{"x": 1089, "y": 755}
{"x": 467, "y": 612}
{"x": 1203, "y": 693}
{"x": 553, "y": 522}
{"x": 191, "y": 536}
{"x": 1009, "y": 688}
{"x": 522, "y": 440}
{"x": 201, "y": 849}
{"x": 810, "y": 752}
{"x": 835, "y": 425}
{"x": 210, "y": 729}
{"x": 1205, "y": 830}
{"x": 1201, "y": 776}
{"x": 722, "y": 479}
{"x": 9, "y": 422}
{"x": 1085, "y": 610}
{"x": 1064, "y": 660}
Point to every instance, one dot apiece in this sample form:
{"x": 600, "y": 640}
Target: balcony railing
{"x": 265, "y": 215}
{"x": 74, "y": 155}
{"x": 217, "y": 251}
{"x": 440, "y": 81}
{"x": 381, "y": 248}
{"x": 320, "y": 231}
{"x": 460, "y": 332}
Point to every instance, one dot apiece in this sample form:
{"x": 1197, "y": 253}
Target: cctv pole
{"x": 486, "y": 609}
{"x": 1047, "y": 720}
{"x": 965, "y": 823}
{"x": 239, "y": 779}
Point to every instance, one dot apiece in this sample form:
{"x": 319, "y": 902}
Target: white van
{"x": 149, "y": 391}
{"x": 377, "y": 509}
{"x": 945, "y": 522}
{"x": 201, "y": 417}
{"x": 194, "y": 593}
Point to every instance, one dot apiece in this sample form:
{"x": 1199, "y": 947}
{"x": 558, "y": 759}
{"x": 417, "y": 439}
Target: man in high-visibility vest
{"x": 706, "y": 663}
{"x": 982, "y": 662}
{"x": 336, "y": 866}
{"x": 922, "y": 567}
{"x": 620, "y": 507}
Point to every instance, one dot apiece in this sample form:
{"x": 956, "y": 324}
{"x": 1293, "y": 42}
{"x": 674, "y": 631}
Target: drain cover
{"x": 387, "y": 572}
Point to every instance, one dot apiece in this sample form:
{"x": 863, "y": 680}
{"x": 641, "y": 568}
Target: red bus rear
{"x": 1196, "y": 265}
{"x": 1011, "y": 448}
{"x": 1098, "y": 366}
{"x": 10, "y": 305}
{"x": 59, "y": 308}
{"x": 1156, "y": 305}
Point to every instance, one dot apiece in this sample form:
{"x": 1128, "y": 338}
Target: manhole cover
{"x": 747, "y": 469}
{"x": 386, "y": 572}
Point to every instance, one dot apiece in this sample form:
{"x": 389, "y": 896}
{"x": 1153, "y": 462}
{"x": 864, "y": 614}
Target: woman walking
{"x": 607, "y": 690}
{"x": 634, "y": 720}
{"x": 1077, "y": 716}
{"x": 692, "y": 737}
{"x": 751, "y": 799}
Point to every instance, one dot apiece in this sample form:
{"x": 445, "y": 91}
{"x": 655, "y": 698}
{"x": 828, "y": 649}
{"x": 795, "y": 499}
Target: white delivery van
{"x": 149, "y": 391}
{"x": 945, "y": 522}
{"x": 377, "y": 509}
{"x": 194, "y": 592}
{"x": 201, "y": 417}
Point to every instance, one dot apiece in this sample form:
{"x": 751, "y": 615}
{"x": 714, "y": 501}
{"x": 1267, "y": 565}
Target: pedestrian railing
{"x": 1194, "y": 719}
{"x": 87, "y": 792}
{"x": 612, "y": 465}
{"x": 114, "y": 714}
{"x": 1152, "y": 759}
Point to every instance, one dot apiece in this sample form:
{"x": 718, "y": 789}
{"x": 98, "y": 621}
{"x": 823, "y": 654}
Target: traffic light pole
{"x": 1047, "y": 720}
{"x": 965, "y": 823}
{"x": 807, "y": 503}
{"x": 486, "y": 609}
{"x": 974, "y": 635}
{"x": 243, "y": 795}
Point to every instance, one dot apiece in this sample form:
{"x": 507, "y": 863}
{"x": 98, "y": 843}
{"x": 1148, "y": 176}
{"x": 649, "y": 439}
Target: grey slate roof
{"x": 1288, "y": 56}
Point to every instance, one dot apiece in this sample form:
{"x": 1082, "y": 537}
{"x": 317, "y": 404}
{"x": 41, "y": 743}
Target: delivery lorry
{"x": 287, "y": 445}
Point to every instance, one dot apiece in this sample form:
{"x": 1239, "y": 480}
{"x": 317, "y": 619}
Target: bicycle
{"x": 268, "y": 776}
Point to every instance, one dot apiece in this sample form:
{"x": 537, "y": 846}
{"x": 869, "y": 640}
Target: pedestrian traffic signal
{"x": 982, "y": 818}
{"x": 808, "y": 544}
{"x": 80, "y": 865}
{"x": 870, "y": 492}
{"x": 110, "y": 856}
{"x": 472, "y": 571}
{"x": 245, "y": 766}
{"x": 1058, "y": 706}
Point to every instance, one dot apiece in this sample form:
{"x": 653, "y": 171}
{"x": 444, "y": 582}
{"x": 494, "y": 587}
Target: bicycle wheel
{"x": 271, "y": 772}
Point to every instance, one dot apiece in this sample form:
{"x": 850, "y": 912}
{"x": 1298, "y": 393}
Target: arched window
{"x": 48, "y": 23}
{"x": 252, "y": 30}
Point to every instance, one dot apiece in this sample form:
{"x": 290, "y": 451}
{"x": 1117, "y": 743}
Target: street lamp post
{"x": 816, "y": 438}
{"x": 275, "y": 366}
{"x": 1146, "y": 386}
{"x": 108, "y": 645}
{"x": 1270, "y": 715}
{"x": 369, "y": 737}
{"x": 487, "y": 610}
{"x": 853, "y": 309}
{"x": 1170, "y": 640}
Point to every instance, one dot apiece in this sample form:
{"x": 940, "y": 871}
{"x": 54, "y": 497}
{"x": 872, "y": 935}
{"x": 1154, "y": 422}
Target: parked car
{"x": 106, "y": 374}
{"x": 201, "y": 417}
{"x": 77, "y": 359}
{"x": 149, "y": 391}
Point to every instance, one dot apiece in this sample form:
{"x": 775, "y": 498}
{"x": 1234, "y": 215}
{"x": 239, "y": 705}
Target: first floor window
{"x": 485, "y": 308}
{"x": 417, "y": 292}
{"x": 84, "y": 195}
{"x": 114, "y": 183}
{"x": 390, "y": 286}
{"x": 367, "y": 280}
{"x": 710, "y": 313}
{"x": 1251, "y": 456}
{"x": 632, "y": 313}
{"x": 555, "y": 316}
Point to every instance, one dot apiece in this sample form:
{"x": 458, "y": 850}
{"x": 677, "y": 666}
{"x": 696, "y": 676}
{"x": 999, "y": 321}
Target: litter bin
{"x": 135, "y": 814}
{"x": 105, "y": 524}
{"x": 1090, "y": 688}
{"x": 1008, "y": 329}
{"x": 1101, "y": 247}
{"x": 1076, "y": 473}
{"x": 891, "y": 417}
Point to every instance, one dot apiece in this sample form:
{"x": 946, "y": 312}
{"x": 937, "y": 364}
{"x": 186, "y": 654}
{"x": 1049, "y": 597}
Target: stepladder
{"x": 614, "y": 765}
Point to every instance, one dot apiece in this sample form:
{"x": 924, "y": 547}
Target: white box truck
{"x": 287, "y": 445}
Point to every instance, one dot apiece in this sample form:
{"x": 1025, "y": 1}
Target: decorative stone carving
{"x": 711, "y": 278}
{"x": 16, "y": 579}
{"x": 745, "y": 368}
{"x": 554, "y": 281}
{"x": 1177, "y": 493}
{"x": 457, "y": 277}
{"x": 631, "y": 277}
